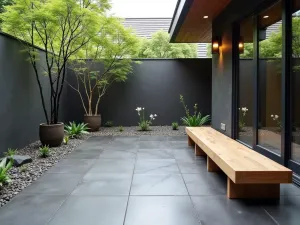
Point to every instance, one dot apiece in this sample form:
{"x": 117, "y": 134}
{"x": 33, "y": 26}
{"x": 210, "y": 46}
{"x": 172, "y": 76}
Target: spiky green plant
{"x": 44, "y": 151}
{"x": 109, "y": 123}
{"x": 195, "y": 120}
{"x": 4, "y": 168}
{"x": 121, "y": 129}
{"x": 10, "y": 152}
{"x": 175, "y": 126}
{"x": 74, "y": 130}
{"x": 66, "y": 139}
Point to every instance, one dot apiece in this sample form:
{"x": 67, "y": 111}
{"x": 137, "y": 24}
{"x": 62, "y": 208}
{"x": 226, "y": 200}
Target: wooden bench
{"x": 249, "y": 174}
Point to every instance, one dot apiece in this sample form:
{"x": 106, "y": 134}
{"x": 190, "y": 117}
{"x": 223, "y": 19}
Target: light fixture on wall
{"x": 266, "y": 17}
{"x": 215, "y": 45}
{"x": 205, "y": 17}
{"x": 241, "y": 45}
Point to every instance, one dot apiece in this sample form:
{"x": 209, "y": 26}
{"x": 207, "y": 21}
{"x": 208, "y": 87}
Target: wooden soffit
{"x": 189, "y": 25}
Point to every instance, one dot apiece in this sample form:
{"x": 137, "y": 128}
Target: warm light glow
{"x": 241, "y": 45}
{"x": 205, "y": 17}
{"x": 265, "y": 17}
{"x": 215, "y": 45}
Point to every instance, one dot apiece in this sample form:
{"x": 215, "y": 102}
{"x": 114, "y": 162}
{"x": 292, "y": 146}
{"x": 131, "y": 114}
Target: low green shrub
{"x": 109, "y": 123}
{"x": 23, "y": 168}
{"x": 144, "y": 123}
{"x": 10, "y": 152}
{"x": 44, "y": 151}
{"x": 74, "y": 130}
{"x": 195, "y": 120}
{"x": 4, "y": 168}
{"x": 121, "y": 129}
{"x": 175, "y": 126}
{"x": 66, "y": 139}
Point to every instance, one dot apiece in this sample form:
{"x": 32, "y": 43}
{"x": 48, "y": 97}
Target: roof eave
{"x": 180, "y": 13}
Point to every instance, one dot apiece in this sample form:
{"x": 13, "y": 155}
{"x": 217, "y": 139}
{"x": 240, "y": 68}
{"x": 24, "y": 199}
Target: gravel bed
{"x": 21, "y": 179}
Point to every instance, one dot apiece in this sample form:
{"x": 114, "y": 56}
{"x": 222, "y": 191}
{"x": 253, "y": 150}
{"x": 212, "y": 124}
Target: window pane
{"x": 270, "y": 63}
{"x": 246, "y": 82}
{"x": 296, "y": 82}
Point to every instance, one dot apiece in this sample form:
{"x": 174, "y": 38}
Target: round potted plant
{"x": 109, "y": 55}
{"x": 58, "y": 47}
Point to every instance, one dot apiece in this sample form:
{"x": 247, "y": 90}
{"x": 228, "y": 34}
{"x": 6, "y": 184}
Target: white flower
{"x": 143, "y": 108}
{"x": 151, "y": 116}
{"x": 276, "y": 116}
{"x": 138, "y": 109}
{"x": 272, "y": 116}
{"x": 244, "y": 109}
{"x": 155, "y": 115}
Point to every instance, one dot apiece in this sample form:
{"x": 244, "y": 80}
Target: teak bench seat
{"x": 249, "y": 174}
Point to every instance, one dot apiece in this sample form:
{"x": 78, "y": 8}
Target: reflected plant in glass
{"x": 277, "y": 120}
{"x": 242, "y": 117}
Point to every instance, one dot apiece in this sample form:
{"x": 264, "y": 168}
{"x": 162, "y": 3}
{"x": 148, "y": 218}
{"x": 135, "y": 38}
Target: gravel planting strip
{"x": 39, "y": 166}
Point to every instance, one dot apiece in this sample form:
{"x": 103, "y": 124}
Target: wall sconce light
{"x": 241, "y": 45}
{"x": 216, "y": 44}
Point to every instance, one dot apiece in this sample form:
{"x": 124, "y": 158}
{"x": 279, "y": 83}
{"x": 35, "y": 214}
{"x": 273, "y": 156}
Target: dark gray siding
{"x": 155, "y": 85}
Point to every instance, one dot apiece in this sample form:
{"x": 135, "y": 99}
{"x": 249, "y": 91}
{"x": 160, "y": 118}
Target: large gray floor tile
{"x": 84, "y": 154}
{"x": 286, "y": 211}
{"x": 127, "y": 138}
{"x": 169, "y": 184}
{"x": 216, "y": 210}
{"x": 197, "y": 166}
{"x": 30, "y": 209}
{"x": 123, "y": 144}
{"x": 113, "y": 166}
{"x": 205, "y": 183}
{"x": 289, "y": 189}
{"x": 186, "y": 155}
{"x": 100, "y": 139}
{"x": 178, "y": 138}
{"x": 155, "y": 154}
{"x": 117, "y": 154}
{"x": 54, "y": 184}
{"x": 92, "y": 210}
{"x": 160, "y": 210}
{"x": 104, "y": 184}
{"x": 72, "y": 166}
{"x": 180, "y": 145}
{"x": 153, "y": 145}
{"x": 161, "y": 166}
{"x": 153, "y": 138}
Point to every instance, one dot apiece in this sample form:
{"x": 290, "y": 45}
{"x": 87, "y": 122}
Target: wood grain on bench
{"x": 241, "y": 164}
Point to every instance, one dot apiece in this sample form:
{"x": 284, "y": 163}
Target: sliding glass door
{"x": 267, "y": 81}
{"x": 295, "y": 87}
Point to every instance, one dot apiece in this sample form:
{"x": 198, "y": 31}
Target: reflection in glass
{"x": 246, "y": 81}
{"x": 296, "y": 82}
{"x": 269, "y": 78}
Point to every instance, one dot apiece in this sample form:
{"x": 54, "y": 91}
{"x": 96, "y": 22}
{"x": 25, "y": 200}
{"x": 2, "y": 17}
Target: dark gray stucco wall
{"x": 222, "y": 86}
{"x": 155, "y": 85}
{"x": 222, "y": 70}
{"x": 20, "y": 108}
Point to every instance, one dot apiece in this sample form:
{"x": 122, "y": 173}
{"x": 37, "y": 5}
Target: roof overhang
{"x": 189, "y": 25}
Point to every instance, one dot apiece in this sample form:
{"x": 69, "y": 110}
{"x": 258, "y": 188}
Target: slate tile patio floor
{"x": 144, "y": 180}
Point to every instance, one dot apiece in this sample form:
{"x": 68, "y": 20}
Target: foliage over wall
{"x": 159, "y": 46}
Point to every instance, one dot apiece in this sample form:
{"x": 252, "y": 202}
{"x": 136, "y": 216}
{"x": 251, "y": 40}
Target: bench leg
{"x": 211, "y": 166}
{"x": 199, "y": 151}
{"x": 254, "y": 191}
{"x": 190, "y": 141}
